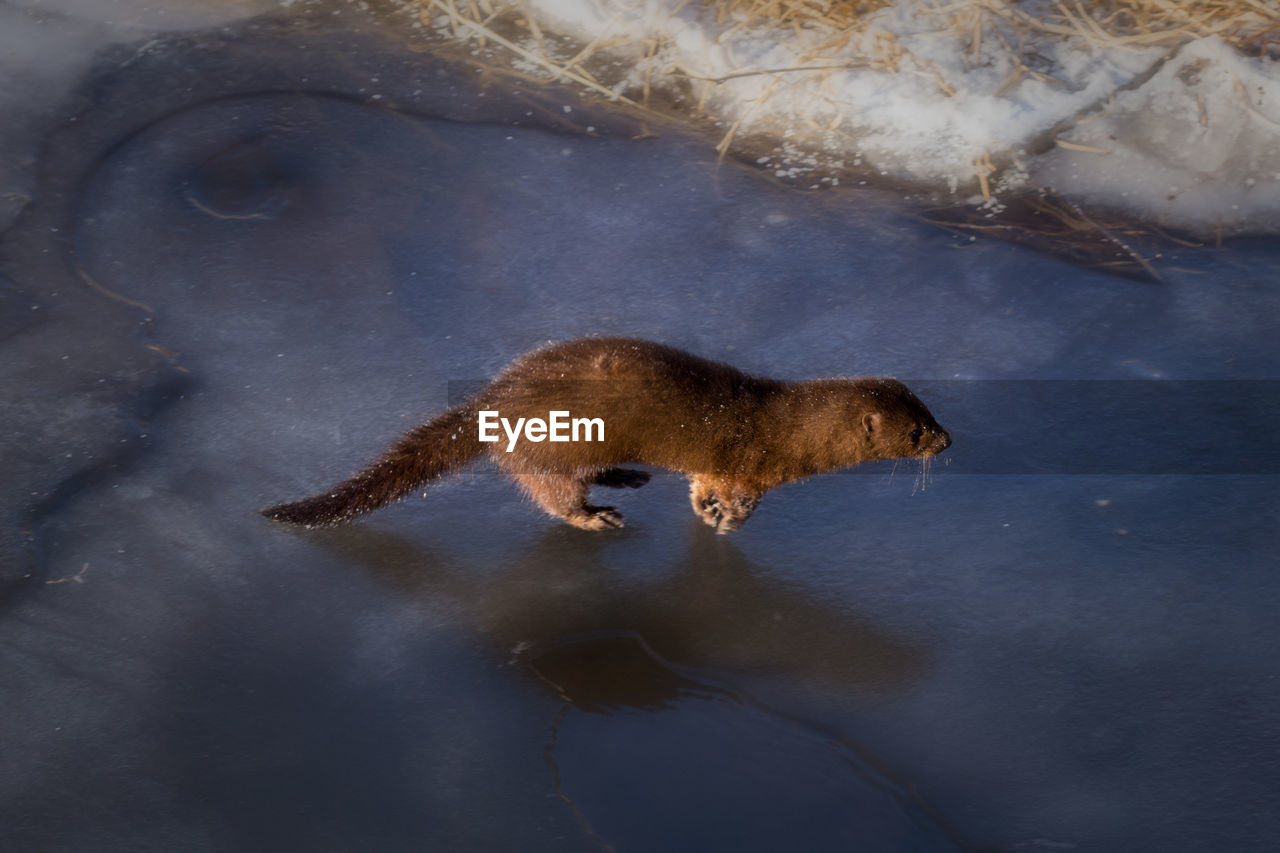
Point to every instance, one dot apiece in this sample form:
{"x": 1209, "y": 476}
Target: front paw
{"x": 710, "y": 510}
{"x": 728, "y": 517}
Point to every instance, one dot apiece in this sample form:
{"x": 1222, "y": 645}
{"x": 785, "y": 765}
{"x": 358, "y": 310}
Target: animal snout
{"x": 943, "y": 440}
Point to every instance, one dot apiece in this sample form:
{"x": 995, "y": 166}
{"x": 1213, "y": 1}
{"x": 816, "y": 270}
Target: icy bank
{"x": 1181, "y": 132}
{"x": 45, "y": 47}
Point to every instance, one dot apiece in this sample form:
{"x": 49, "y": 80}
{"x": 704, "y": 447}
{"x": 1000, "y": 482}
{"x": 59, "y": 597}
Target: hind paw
{"x": 599, "y": 518}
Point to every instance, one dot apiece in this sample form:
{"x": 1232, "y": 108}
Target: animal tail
{"x": 424, "y": 453}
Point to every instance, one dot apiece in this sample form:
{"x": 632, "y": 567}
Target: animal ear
{"x": 871, "y": 422}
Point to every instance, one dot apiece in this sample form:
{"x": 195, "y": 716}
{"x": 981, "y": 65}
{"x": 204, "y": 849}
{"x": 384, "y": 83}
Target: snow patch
{"x": 1198, "y": 145}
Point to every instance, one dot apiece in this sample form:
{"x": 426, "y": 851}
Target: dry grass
{"x": 1144, "y": 22}
{"x": 1252, "y": 26}
{"x": 833, "y": 35}
{"x": 1245, "y": 23}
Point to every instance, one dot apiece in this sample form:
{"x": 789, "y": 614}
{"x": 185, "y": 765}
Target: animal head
{"x": 892, "y": 423}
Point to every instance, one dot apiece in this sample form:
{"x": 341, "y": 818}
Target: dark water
{"x": 241, "y": 275}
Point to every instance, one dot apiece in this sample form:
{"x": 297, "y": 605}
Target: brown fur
{"x": 733, "y": 435}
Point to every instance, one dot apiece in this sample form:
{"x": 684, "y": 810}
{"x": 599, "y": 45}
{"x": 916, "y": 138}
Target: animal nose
{"x": 944, "y": 438}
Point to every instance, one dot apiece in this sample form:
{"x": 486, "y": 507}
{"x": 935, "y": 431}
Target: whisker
{"x": 922, "y": 479}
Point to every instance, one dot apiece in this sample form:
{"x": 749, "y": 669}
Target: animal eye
{"x": 915, "y": 435}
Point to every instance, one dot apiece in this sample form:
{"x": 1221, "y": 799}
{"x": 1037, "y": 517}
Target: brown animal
{"x": 733, "y": 435}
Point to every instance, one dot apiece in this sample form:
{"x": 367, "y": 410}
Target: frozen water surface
{"x": 252, "y": 257}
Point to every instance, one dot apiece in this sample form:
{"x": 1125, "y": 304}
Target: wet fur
{"x": 735, "y": 436}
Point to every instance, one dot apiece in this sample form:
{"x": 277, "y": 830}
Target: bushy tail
{"x": 446, "y": 442}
